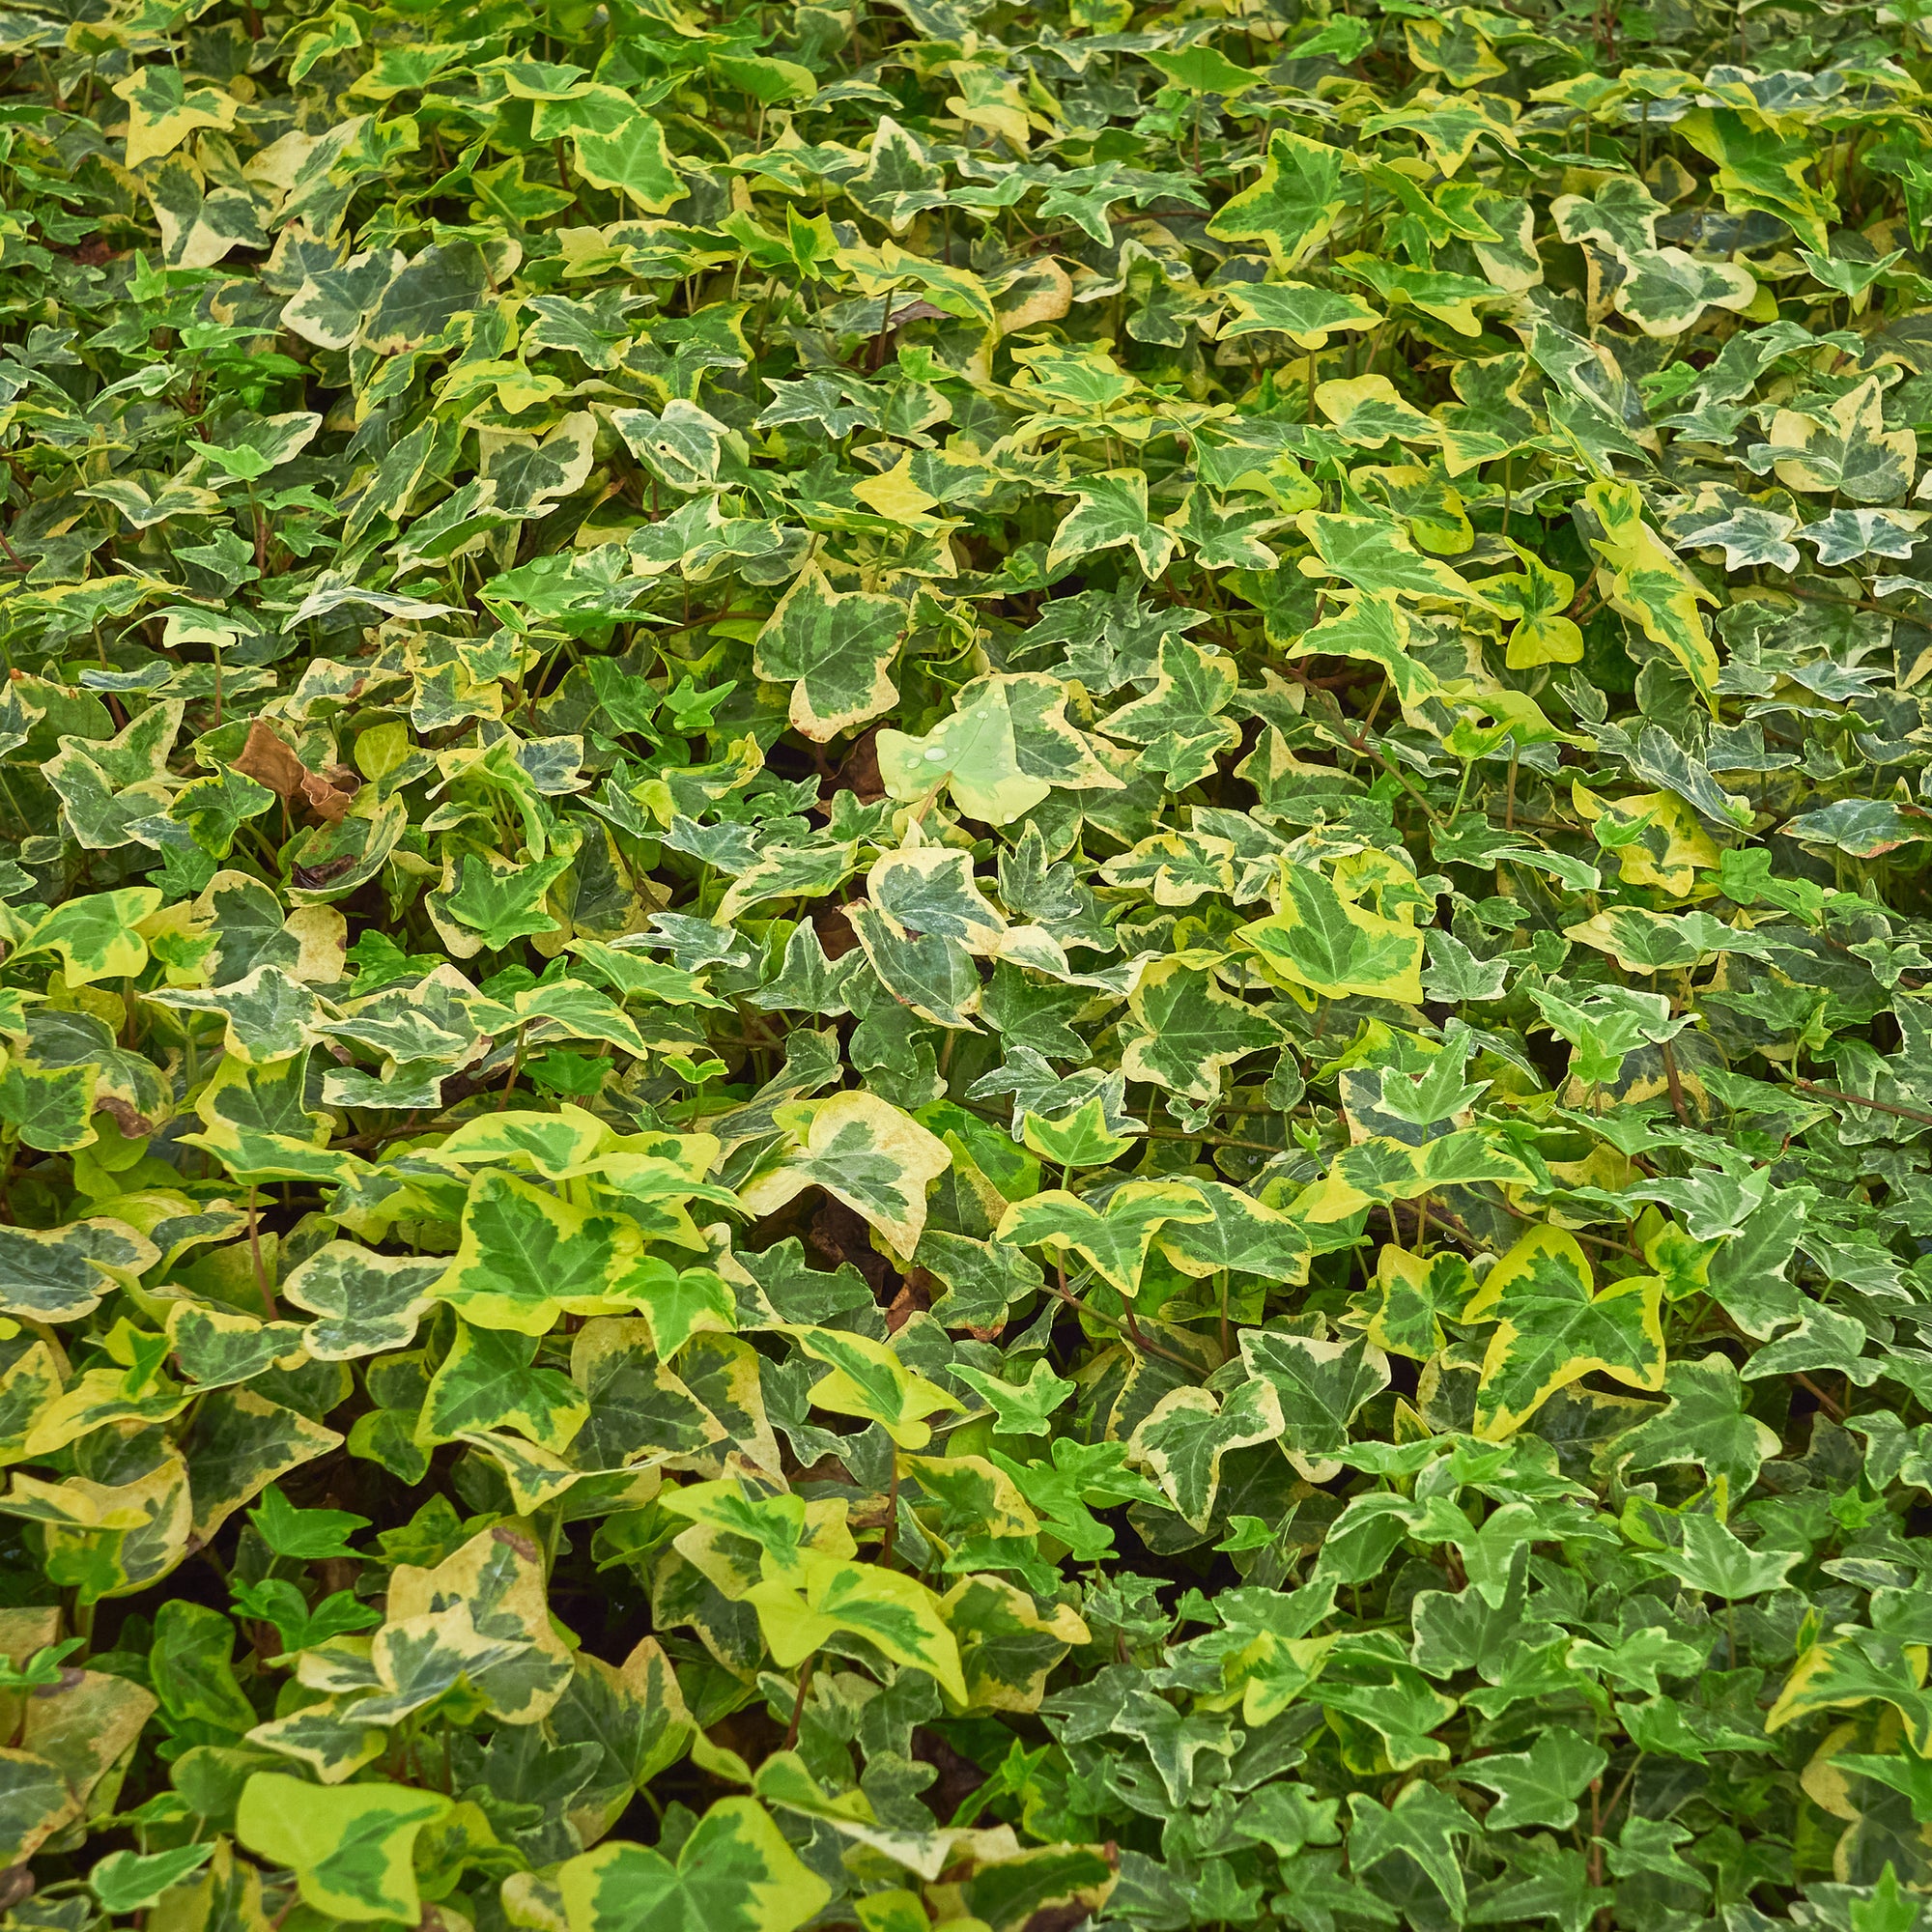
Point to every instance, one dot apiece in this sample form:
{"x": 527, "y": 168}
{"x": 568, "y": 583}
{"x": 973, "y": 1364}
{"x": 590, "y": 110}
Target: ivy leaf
{"x": 367, "y": 1303}
{"x": 1712, "y": 1559}
{"x": 1375, "y": 628}
{"x": 1111, "y": 510}
{"x": 1292, "y": 207}
{"x": 525, "y": 1258}
{"x": 1844, "y": 449}
{"x": 1005, "y": 744}
{"x": 1307, "y": 315}
{"x": 1081, "y": 1138}
{"x": 1333, "y": 948}
{"x": 1187, "y": 1029}
{"x": 127, "y": 1882}
{"x": 867, "y": 1379}
{"x": 862, "y": 1150}
{"x": 489, "y": 1381}
{"x": 1538, "y": 1786}
{"x": 1114, "y": 1239}
{"x": 1423, "y": 1824}
{"x": 1020, "y": 1409}
{"x": 1184, "y": 1438}
{"x": 1703, "y": 1427}
{"x": 1666, "y": 290}
{"x": 1179, "y": 718}
{"x": 823, "y": 1596}
{"x": 734, "y": 1873}
{"x": 349, "y": 1846}
{"x": 304, "y": 1533}
{"x": 1646, "y": 584}
{"x": 1321, "y": 1385}
{"x": 499, "y": 901}
{"x": 836, "y": 649}
{"x": 1552, "y": 1327}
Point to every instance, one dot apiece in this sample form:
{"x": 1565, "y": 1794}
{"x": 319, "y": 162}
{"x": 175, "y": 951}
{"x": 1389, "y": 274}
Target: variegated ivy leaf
{"x": 1367, "y": 411}
{"x": 823, "y": 1596}
{"x": 1844, "y": 447}
{"x": 861, "y": 1150}
{"x": 1411, "y": 1297}
{"x": 1321, "y": 1385}
{"x": 1665, "y": 293}
{"x": 349, "y": 1848}
{"x": 1845, "y": 536}
{"x": 490, "y": 1381}
{"x": 1620, "y": 214}
{"x": 269, "y": 1016}
{"x": 1005, "y": 747}
{"x": 1290, "y": 208}
{"x": 1114, "y": 1239}
{"x": 480, "y": 1617}
{"x": 95, "y": 938}
{"x": 836, "y": 649}
{"x": 1554, "y": 1326}
{"x": 1761, "y": 167}
{"x": 527, "y": 1258}
{"x": 1374, "y": 627}
{"x": 1643, "y": 580}
{"x": 1372, "y": 554}
{"x": 1178, "y": 720}
{"x": 60, "y": 1274}
{"x": 1332, "y": 946}
{"x": 1184, "y": 1438}
{"x": 1185, "y": 1028}
{"x": 164, "y": 111}
{"x": 1111, "y": 511}
{"x": 1305, "y": 314}
{"x": 867, "y": 1379}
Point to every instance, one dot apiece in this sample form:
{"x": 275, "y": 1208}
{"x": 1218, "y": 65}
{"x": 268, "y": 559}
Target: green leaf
{"x": 59, "y": 1274}
{"x": 1020, "y": 1409}
{"x": 95, "y": 937}
{"x": 1703, "y": 1427}
{"x": 366, "y": 1303}
{"x": 734, "y": 1873}
{"x": 867, "y": 1379}
{"x": 1538, "y": 1786}
{"x": 1079, "y": 1139}
{"x": 823, "y": 1596}
{"x": 1184, "y": 1438}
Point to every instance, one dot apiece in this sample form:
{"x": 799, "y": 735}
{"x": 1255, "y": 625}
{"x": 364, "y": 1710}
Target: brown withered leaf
{"x": 268, "y": 761}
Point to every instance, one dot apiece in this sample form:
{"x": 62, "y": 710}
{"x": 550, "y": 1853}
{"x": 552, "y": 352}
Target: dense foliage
{"x": 965, "y": 966}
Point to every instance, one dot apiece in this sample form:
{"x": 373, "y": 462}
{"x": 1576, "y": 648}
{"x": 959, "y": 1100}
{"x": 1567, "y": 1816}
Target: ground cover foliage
{"x": 964, "y": 966}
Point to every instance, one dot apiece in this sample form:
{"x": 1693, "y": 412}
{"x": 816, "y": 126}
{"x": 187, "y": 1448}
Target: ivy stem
{"x": 798, "y": 1702}
{"x": 267, "y": 1294}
